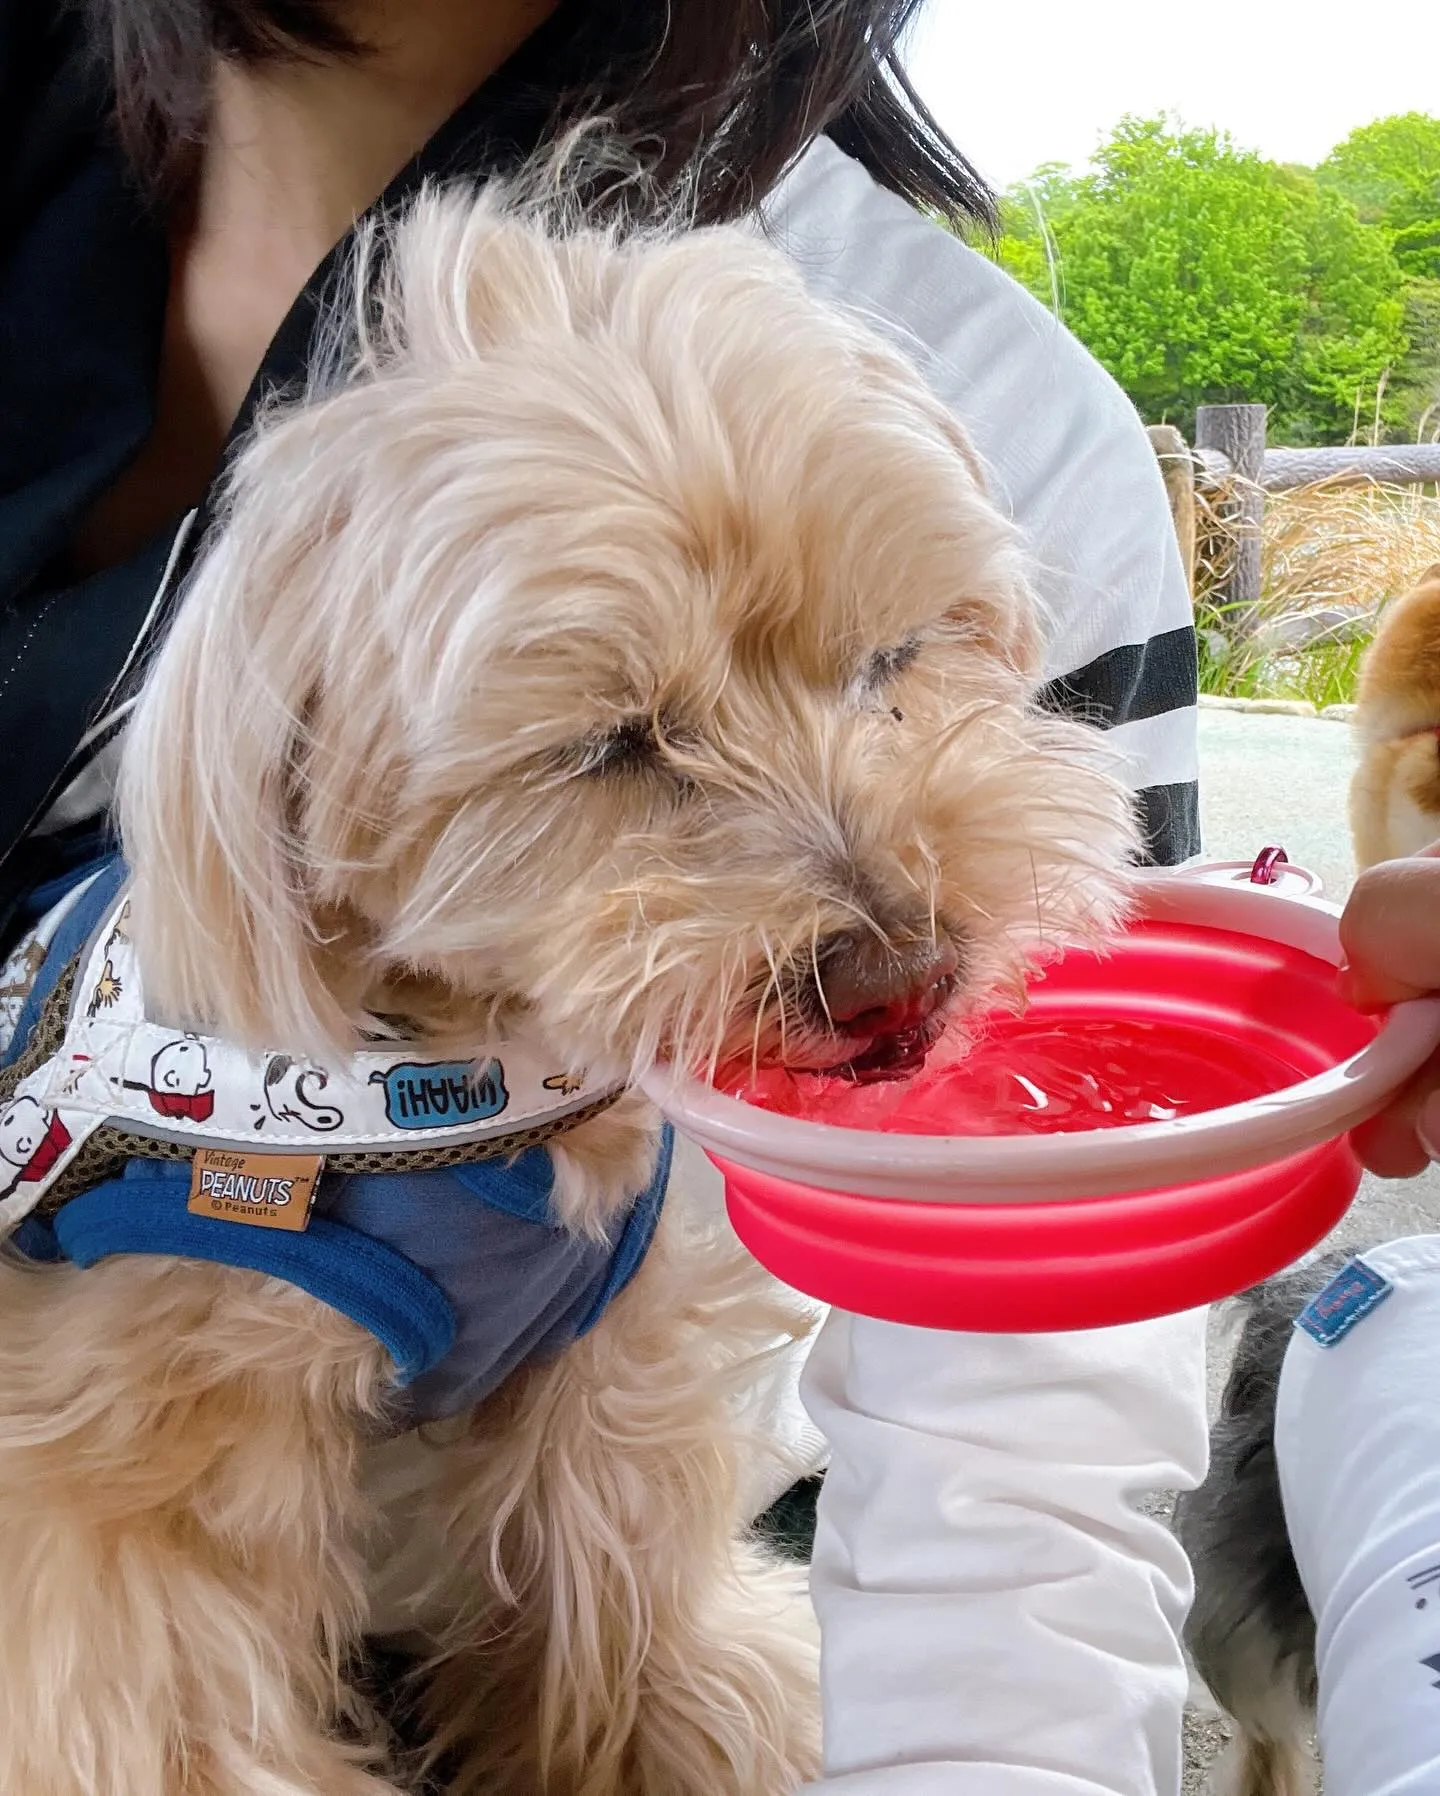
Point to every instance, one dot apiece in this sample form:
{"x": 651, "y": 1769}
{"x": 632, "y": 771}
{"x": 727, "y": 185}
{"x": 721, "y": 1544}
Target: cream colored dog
{"x": 623, "y": 658}
{"x": 1395, "y": 793}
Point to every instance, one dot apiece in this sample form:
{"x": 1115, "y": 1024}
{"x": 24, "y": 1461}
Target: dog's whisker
{"x": 772, "y": 987}
{"x": 818, "y": 983}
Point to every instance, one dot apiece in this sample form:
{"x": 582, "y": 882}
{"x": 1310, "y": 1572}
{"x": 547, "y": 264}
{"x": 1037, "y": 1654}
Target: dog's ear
{"x": 996, "y": 602}
{"x": 461, "y": 275}
{"x": 220, "y": 790}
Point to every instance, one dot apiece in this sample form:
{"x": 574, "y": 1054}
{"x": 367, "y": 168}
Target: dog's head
{"x": 1399, "y": 694}
{"x": 626, "y": 655}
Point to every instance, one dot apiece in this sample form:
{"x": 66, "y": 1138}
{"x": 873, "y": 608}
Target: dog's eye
{"x": 643, "y": 743}
{"x": 888, "y": 664}
{"x": 626, "y": 746}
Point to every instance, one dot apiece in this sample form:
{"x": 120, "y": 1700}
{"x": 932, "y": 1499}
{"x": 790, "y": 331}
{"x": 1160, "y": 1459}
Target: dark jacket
{"x": 83, "y": 276}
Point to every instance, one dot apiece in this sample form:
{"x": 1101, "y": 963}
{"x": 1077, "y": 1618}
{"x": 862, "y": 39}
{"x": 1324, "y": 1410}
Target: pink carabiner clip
{"x": 1265, "y": 872}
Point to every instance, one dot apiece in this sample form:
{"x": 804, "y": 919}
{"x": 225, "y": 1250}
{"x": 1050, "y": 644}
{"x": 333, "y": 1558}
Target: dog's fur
{"x": 1251, "y": 1633}
{"x": 622, "y": 648}
{"x": 1395, "y": 793}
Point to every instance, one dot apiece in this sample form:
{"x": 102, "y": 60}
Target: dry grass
{"x": 1352, "y": 546}
{"x": 1326, "y": 545}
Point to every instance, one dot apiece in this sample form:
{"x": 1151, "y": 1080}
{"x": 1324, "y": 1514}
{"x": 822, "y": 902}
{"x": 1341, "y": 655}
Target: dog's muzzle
{"x": 885, "y": 1006}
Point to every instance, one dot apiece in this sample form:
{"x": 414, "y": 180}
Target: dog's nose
{"x": 872, "y": 988}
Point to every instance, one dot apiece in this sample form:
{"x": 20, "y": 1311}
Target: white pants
{"x": 1357, "y": 1436}
{"x": 998, "y": 1616}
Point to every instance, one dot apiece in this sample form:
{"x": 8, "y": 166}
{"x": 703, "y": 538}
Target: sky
{"x": 1029, "y": 81}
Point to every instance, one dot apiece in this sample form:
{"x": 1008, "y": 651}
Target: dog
{"x": 1251, "y": 1633}
{"x": 618, "y": 660}
{"x": 1395, "y": 792}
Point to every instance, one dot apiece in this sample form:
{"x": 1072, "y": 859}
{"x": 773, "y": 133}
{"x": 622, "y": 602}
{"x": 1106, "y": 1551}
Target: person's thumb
{"x": 1390, "y": 932}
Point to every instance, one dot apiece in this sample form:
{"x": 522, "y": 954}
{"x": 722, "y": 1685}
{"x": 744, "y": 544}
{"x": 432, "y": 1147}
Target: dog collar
{"x": 172, "y": 1092}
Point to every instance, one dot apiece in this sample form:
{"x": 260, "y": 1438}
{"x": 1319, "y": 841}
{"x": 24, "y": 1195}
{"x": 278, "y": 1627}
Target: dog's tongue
{"x": 890, "y": 1058}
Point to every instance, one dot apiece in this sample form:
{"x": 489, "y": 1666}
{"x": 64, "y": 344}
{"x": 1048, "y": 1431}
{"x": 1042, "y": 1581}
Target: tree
{"x": 1352, "y": 337}
{"x": 1416, "y": 386}
{"x": 1196, "y": 271}
{"x": 1390, "y": 171}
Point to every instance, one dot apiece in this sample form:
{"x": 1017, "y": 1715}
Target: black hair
{"x": 738, "y": 87}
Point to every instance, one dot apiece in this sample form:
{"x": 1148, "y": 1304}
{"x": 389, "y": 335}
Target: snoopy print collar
{"x": 115, "y": 1068}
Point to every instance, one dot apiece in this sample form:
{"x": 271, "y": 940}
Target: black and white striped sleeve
{"x": 1066, "y": 457}
{"x": 1144, "y": 694}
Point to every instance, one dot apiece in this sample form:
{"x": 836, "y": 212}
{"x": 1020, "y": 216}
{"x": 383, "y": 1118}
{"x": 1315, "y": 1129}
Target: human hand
{"x": 1390, "y": 934}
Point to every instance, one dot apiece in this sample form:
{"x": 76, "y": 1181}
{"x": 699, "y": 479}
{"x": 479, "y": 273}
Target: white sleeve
{"x": 1358, "y": 1449}
{"x": 999, "y": 1617}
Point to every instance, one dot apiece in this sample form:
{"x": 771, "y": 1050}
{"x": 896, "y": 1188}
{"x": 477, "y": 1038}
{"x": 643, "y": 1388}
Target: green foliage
{"x": 1390, "y": 172}
{"x": 1198, "y": 272}
{"x": 1416, "y": 387}
{"x": 1327, "y": 673}
{"x": 1353, "y": 331}
{"x": 1417, "y": 249}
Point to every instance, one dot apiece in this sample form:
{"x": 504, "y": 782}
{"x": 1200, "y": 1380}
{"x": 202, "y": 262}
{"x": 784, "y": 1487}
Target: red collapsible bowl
{"x": 1014, "y": 1233}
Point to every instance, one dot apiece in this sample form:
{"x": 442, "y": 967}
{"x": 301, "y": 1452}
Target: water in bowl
{"x": 1039, "y": 1075}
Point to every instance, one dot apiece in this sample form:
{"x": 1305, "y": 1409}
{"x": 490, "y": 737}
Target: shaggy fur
{"x": 623, "y": 656}
{"x": 1395, "y": 794}
{"x": 1250, "y": 1632}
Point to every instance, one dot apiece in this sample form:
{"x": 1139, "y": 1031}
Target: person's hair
{"x": 743, "y": 85}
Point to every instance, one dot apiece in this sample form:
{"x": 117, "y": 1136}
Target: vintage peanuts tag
{"x": 273, "y": 1191}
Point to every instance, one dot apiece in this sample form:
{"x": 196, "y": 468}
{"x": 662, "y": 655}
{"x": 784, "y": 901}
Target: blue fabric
{"x": 35, "y": 1238}
{"x": 144, "y": 1212}
{"x": 76, "y": 928}
{"x": 85, "y": 852}
{"x": 1346, "y": 1301}
{"x": 522, "y": 1188}
{"x": 463, "y": 1274}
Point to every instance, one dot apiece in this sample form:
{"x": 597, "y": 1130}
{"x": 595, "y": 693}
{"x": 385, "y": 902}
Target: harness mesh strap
{"x": 104, "y": 1153}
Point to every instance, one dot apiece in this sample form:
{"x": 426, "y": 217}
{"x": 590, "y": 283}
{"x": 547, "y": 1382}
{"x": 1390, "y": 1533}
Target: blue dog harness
{"x": 412, "y": 1195}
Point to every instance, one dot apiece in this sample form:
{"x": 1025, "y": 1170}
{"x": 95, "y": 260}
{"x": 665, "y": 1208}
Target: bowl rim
{"x": 1092, "y": 1162}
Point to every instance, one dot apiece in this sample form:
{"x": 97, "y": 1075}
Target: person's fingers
{"x": 1364, "y": 990}
{"x": 1390, "y": 932}
{"x": 1389, "y": 1147}
{"x": 1404, "y": 1137}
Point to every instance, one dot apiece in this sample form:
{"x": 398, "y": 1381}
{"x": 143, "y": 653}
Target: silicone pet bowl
{"x": 1005, "y": 1233}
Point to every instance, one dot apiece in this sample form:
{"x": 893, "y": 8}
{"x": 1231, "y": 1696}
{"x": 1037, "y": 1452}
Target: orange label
{"x": 270, "y": 1191}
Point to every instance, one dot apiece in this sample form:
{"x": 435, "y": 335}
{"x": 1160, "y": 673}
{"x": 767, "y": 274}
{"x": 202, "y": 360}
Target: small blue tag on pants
{"x": 1349, "y": 1298}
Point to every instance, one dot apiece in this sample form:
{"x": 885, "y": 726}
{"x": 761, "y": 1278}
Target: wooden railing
{"x": 1232, "y": 466}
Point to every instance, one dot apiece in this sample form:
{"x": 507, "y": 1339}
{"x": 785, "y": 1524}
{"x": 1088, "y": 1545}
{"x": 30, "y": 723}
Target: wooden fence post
{"x": 1236, "y": 433}
{"x": 1177, "y": 466}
